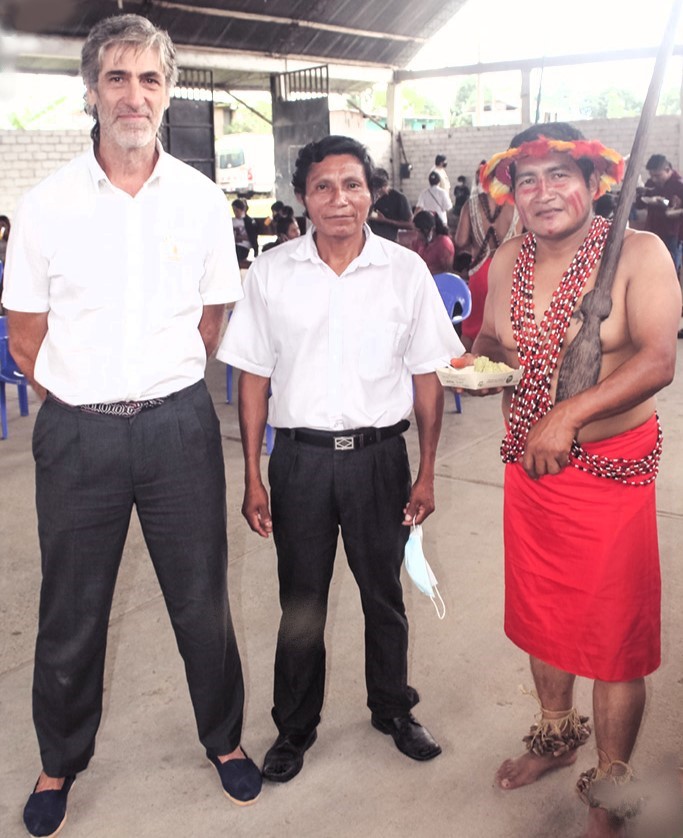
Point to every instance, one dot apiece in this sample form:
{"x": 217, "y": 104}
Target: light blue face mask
{"x": 420, "y": 572}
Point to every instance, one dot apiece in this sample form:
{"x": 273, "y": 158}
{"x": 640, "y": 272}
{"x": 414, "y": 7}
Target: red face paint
{"x": 551, "y": 195}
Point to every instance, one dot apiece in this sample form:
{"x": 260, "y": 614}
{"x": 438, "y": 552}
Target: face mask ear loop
{"x": 440, "y": 613}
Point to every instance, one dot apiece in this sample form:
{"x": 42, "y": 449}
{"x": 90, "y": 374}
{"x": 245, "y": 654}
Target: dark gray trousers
{"x": 90, "y": 471}
{"x": 315, "y": 493}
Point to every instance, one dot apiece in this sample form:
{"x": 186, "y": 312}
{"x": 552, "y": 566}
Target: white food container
{"x": 468, "y": 379}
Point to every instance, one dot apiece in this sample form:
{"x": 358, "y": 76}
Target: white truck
{"x": 245, "y": 164}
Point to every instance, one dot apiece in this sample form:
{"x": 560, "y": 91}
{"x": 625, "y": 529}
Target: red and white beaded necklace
{"x": 539, "y": 346}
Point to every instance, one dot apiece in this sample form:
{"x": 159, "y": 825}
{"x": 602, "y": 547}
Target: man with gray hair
{"x": 119, "y": 269}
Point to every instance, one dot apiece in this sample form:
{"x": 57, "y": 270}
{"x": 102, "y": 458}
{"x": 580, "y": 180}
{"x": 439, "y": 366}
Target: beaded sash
{"x": 539, "y": 347}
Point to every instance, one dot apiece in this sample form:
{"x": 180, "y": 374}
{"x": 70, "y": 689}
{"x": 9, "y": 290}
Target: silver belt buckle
{"x": 343, "y": 443}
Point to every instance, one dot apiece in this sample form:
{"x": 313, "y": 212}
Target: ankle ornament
{"x": 557, "y": 733}
{"x": 613, "y": 789}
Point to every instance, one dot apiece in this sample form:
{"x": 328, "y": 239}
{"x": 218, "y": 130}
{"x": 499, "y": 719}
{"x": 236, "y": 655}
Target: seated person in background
{"x": 391, "y": 211}
{"x": 604, "y": 206}
{"x": 245, "y": 230}
{"x": 4, "y": 235}
{"x": 434, "y": 198}
{"x": 482, "y": 227}
{"x": 286, "y": 228}
{"x": 433, "y": 243}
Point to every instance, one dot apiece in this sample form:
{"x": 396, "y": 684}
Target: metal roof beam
{"x": 31, "y": 53}
{"x": 531, "y": 63}
{"x": 285, "y": 21}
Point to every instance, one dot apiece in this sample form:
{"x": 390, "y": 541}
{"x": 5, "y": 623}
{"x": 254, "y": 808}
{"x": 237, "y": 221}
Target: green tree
{"x": 670, "y": 102}
{"x": 30, "y": 117}
{"x": 245, "y": 121}
{"x": 610, "y": 103}
{"x": 464, "y": 104}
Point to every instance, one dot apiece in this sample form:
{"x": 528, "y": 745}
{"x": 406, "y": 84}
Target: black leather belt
{"x": 350, "y": 440}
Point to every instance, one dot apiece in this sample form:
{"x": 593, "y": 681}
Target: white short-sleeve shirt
{"x": 124, "y": 279}
{"x": 435, "y": 199}
{"x": 339, "y": 350}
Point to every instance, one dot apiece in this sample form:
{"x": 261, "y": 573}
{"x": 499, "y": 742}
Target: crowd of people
{"x": 338, "y": 334}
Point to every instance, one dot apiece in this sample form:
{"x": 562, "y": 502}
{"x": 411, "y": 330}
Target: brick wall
{"x": 29, "y": 156}
{"x": 466, "y": 147}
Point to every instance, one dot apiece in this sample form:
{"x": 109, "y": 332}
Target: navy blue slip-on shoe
{"x": 45, "y": 811}
{"x": 240, "y": 778}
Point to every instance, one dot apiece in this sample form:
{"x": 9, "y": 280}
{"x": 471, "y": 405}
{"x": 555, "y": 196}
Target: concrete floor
{"x": 149, "y": 777}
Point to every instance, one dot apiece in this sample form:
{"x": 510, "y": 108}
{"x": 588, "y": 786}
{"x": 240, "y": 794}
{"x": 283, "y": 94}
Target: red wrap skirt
{"x": 582, "y": 581}
{"x": 479, "y": 287}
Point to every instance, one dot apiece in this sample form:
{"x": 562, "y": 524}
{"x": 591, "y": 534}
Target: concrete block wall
{"x": 29, "y": 156}
{"x": 466, "y": 147}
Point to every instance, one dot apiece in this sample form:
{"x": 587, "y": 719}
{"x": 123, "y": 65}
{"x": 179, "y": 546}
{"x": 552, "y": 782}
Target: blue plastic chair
{"x": 454, "y": 291}
{"x": 10, "y": 374}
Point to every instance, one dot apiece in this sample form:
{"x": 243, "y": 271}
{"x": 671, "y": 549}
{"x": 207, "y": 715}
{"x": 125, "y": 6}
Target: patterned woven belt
{"x": 125, "y": 409}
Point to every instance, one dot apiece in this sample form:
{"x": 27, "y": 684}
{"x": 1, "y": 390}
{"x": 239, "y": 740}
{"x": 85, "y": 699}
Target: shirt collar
{"x": 373, "y": 252}
{"x": 99, "y": 176}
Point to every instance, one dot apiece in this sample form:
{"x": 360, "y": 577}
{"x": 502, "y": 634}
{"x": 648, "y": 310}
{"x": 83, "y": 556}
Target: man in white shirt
{"x": 119, "y": 269}
{"x": 434, "y": 198}
{"x": 346, "y": 329}
{"x": 440, "y": 163}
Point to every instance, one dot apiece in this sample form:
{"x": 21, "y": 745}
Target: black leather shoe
{"x": 410, "y": 737}
{"x": 45, "y": 811}
{"x": 240, "y": 778}
{"x": 285, "y": 758}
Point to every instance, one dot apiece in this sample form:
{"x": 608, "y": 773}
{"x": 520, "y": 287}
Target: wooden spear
{"x": 581, "y": 364}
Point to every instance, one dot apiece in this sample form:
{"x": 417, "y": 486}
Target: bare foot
{"x": 46, "y": 783}
{"x": 526, "y": 769}
{"x": 602, "y": 825}
{"x": 238, "y": 753}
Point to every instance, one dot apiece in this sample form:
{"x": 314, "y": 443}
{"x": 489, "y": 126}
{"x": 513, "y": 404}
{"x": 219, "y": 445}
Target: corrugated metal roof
{"x": 374, "y": 32}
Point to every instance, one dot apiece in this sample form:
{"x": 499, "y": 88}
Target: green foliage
{"x": 417, "y": 104}
{"x": 670, "y": 102}
{"x": 245, "y": 121}
{"x": 610, "y": 103}
{"x": 464, "y": 103}
{"x": 28, "y": 117}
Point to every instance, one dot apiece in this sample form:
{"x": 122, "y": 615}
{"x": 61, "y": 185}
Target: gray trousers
{"x": 90, "y": 471}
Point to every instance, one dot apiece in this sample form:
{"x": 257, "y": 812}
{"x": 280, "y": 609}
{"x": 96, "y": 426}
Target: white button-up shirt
{"x": 339, "y": 350}
{"x": 124, "y": 279}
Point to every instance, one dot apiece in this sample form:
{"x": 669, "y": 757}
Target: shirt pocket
{"x": 381, "y": 347}
{"x": 181, "y": 268}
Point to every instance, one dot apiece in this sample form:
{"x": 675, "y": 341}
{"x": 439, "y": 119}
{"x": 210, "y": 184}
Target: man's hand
{"x": 549, "y": 444}
{"x": 421, "y": 503}
{"x": 467, "y": 360}
{"x": 256, "y": 510}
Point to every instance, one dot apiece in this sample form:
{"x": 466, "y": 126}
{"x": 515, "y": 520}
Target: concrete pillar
{"x": 394, "y": 126}
{"x": 526, "y": 96}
